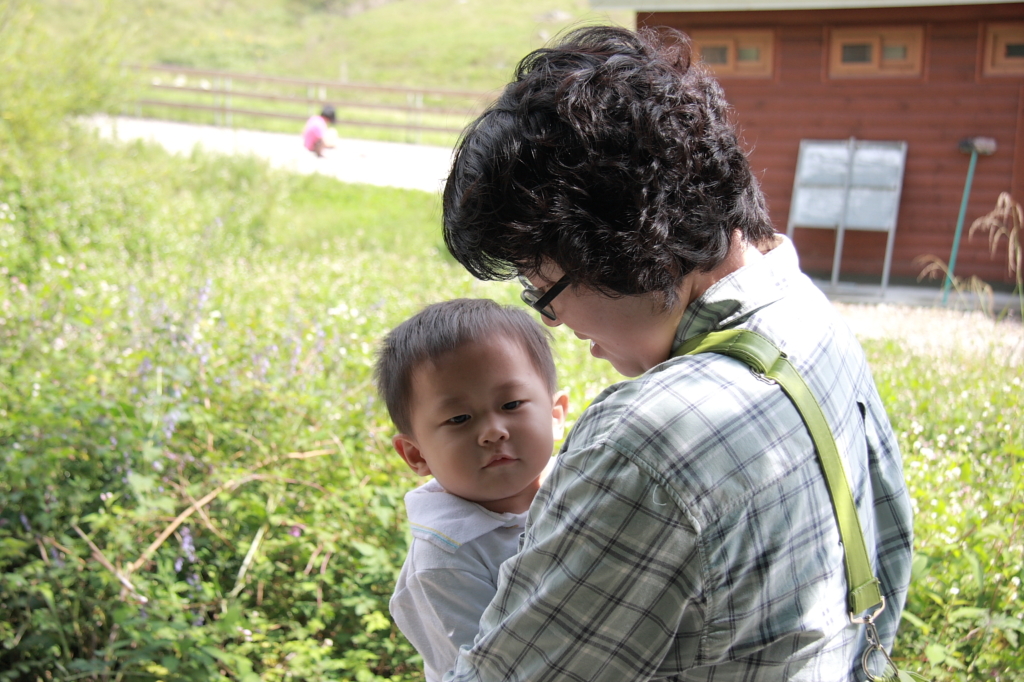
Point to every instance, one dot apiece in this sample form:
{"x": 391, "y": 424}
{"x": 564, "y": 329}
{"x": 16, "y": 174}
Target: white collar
{"x": 449, "y": 521}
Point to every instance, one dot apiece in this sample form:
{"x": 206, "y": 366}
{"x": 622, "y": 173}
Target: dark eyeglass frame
{"x": 541, "y": 300}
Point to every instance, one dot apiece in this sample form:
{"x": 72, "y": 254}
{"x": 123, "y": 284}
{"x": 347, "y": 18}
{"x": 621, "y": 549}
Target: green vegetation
{"x": 196, "y": 481}
{"x": 464, "y": 45}
{"x": 960, "y": 421}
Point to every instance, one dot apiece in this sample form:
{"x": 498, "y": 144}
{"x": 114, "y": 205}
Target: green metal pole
{"x": 959, "y": 226}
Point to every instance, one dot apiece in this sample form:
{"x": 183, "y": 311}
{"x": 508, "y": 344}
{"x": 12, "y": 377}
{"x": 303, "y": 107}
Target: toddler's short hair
{"x": 443, "y": 328}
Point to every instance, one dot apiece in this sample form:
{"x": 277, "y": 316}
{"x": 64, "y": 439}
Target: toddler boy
{"x": 470, "y": 386}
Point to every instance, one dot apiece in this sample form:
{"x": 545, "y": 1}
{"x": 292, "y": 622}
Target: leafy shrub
{"x": 44, "y": 79}
{"x": 45, "y": 209}
{"x": 164, "y": 352}
{"x": 960, "y": 422}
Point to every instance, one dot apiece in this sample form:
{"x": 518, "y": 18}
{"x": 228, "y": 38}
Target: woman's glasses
{"x": 541, "y": 300}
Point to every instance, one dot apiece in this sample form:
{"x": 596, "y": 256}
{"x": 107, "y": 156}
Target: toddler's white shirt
{"x": 450, "y": 573}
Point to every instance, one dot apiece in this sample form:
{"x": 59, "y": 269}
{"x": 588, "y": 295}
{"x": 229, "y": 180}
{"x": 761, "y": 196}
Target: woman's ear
{"x": 559, "y": 409}
{"x": 410, "y": 452}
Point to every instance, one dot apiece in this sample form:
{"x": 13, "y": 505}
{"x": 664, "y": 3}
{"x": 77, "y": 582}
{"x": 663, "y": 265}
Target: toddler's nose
{"x": 493, "y": 431}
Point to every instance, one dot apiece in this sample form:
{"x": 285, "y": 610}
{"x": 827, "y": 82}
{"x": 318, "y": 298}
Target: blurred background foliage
{"x": 197, "y": 481}
{"x": 463, "y": 44}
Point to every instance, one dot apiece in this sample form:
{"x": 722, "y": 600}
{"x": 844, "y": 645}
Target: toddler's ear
{"x": 559, "y": 408}
{"x": 410, "y": 452}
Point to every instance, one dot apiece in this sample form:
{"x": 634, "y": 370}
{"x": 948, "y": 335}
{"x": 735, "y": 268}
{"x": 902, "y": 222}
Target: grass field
{"x": 464, "y": 44}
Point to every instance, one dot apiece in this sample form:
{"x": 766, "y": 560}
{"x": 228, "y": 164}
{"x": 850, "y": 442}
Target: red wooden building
{"x": 926, "y": 72}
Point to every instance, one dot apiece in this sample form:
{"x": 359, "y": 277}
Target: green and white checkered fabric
{"x": 687, "y": 533}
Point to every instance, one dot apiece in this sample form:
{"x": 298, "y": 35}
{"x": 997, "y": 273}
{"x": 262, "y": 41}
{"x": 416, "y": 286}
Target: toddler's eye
{"x": 511, "y": 405}
{"x": 460, "y": 419}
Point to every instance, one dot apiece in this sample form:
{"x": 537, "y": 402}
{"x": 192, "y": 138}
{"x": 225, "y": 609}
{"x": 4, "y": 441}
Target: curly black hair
{"x": 610, "y": 154}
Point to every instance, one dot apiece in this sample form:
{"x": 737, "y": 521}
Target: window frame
{"x": 913, "y": 36}
{"x": 735, "y": 40}
{"x": 997, "y": 35}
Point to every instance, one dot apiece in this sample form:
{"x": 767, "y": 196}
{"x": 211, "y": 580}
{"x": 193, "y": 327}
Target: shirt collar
{"x": 448, "y": 521}
{"x": 738, "y": 295}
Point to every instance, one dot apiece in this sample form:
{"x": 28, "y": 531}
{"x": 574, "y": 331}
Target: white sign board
{"x": 848, "y": 185}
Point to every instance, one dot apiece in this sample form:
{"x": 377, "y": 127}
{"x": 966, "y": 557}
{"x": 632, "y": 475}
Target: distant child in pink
{"x": 314, "y": 135}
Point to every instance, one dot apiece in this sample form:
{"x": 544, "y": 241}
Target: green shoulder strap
{"x": 766, "y": 360}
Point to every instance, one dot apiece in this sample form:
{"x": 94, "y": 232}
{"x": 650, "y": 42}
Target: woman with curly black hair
{"x": 686, "y": 532}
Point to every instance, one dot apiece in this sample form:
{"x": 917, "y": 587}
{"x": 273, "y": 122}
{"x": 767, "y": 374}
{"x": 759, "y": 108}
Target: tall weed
{"x": 1006, "y": 220}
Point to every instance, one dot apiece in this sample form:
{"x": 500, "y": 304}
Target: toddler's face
{"x": 483, "y": 424}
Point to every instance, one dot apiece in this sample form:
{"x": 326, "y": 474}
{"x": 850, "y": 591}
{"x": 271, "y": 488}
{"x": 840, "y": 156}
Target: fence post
{"x": 218, "y": 98}
{"x": 410, "y": 102}
{"x": 414, "y": 118}
{"x": 419, "y": 116}
{"x": 227, "y": 103}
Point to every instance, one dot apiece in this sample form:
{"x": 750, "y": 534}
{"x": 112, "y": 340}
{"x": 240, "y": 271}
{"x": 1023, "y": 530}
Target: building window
{"x": 875, "y": 52}
{"x": 736, "y": 54}
{"x": 1004, "y": 50}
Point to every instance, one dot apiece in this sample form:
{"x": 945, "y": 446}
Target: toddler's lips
{"x": 500, "y": 460}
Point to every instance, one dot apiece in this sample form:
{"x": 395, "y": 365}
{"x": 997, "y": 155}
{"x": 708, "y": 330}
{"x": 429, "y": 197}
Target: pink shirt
{"x": 315, "y": 128}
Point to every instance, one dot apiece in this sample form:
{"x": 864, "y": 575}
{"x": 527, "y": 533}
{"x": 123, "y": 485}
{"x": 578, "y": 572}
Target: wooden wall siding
{"x": 950, "y": 101}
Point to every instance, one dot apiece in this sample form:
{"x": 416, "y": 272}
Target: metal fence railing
{"x": 280, "y": 103}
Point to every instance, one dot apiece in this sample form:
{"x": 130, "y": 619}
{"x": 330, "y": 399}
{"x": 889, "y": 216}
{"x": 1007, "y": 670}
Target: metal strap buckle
{"x": 871, "y": 618}
{"x": 889, "y": 669}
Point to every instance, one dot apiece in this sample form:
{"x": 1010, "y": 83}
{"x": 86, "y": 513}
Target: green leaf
{"x": 919, "y": 568}
{"x": 979, "y": 573}
{"x": 12, "y": 547}
{"x": 917, "y": 622}
{"x": 242, "y": 665}
{"x": 968, "y": 612}
{"x": 374, "y": 621}
{"x": 936, "y": 654}
{"x": 1008, "y": 623}
{"x": 365, "y": 548}
{"x": 141, "y": 483}
{"x": 227, "y": 621}
{"x": 1011, "y": 637}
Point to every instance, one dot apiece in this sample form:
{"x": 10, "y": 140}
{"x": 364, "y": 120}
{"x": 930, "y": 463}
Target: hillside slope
{"x": 468, "y": 44}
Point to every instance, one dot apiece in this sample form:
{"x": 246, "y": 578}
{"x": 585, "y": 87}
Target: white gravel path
{"x": 937, "y": 331}
{"x": 389, "y": 164}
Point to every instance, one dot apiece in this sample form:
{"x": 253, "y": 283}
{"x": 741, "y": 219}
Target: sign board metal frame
{"x": 848, "y": 185}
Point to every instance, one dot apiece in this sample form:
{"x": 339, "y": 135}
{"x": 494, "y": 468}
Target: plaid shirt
{"x": 687, "y": 533}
